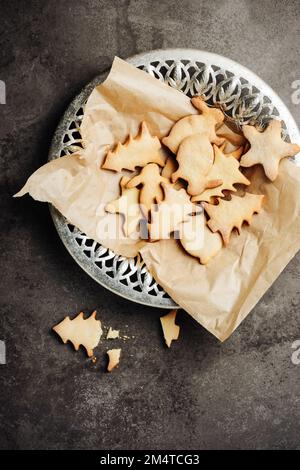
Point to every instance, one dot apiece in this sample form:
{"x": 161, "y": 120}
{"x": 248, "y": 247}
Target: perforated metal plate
{"x": 244, "y": 98}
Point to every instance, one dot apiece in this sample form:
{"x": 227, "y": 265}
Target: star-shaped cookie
{"x": 267, "y": 148}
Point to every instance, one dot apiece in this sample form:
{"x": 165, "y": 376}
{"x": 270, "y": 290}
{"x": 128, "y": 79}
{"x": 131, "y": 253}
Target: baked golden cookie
{"x": 267, "y": 148}
{"x": 173, "y": 210}
{"x": 128, "y": 205}
{"x": 135, "y": 152}
{"x": 225, "y": 169}
{"x": 198, "y": 240}
{"x": 80, "y": 331}
{"x": 227, "y": 215}
{"x": 195, "y": 159}
{"x": 205, "y": 123}
{"x": 151, "y": 191}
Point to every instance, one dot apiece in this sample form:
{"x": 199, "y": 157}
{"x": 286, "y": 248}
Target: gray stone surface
{"x": 200, "y": 394}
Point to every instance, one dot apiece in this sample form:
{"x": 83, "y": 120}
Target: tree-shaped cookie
{"x": 80, "y": 331}
{"x": 198, "y": 240}
{"x": 205, "y": 123}
{"x": 151, "y": 191}
{"x": 195, "y": 158}
{"x": 136, "y": 151}
{"x": 267, "y": 148}
{"x": 227, "y": 215}
{"x": 174, "y": 209}
{"x": 127, "y": 205}
{"x": 225, "y": 169}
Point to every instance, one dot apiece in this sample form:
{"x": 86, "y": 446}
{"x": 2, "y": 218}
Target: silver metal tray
{"x": 244, "y": 98}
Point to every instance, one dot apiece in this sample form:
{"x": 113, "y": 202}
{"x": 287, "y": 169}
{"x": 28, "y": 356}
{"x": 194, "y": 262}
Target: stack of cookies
{"x": 192, "y": 184}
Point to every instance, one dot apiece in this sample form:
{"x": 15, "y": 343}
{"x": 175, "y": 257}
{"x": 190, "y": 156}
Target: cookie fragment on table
{"x": 169, "y": 327}
{"x": 112, "y": 334}
{"x": 113, "y": 359}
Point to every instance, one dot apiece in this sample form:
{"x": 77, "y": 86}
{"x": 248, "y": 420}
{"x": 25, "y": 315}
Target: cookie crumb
{"x": 112, "y": 334}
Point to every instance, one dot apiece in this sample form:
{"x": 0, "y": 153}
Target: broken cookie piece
{"x": 170, "y": 329}
{"x": 112, "y": 334}
{"x": 113, "y": 359}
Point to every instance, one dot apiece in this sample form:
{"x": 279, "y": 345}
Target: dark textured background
{"x": 200, "y": 394}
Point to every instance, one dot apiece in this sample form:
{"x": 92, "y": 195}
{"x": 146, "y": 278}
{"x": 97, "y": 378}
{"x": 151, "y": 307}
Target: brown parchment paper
{"x": 222, "y": 293}
{"x": 218, "y": 295}
{"x": 76, "y": 185}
